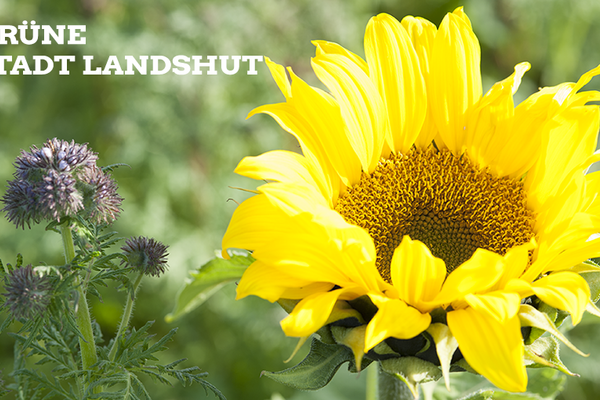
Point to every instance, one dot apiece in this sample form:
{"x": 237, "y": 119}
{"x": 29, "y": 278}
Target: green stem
{"x": 82, "y": 313}
{"x": 392, "y": 388}
{"x": 372, "y": 376}
{"x": 126, "y": 317}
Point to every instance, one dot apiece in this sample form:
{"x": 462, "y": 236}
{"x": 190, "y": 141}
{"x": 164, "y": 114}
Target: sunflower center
{"x": 442, "y": 200}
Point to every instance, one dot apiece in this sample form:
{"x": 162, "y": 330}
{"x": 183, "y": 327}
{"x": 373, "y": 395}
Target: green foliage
{"x": 317, "y": 369}
{"x": 206, "y": 281}
{"x": 544, "y": 384}
{"x": 52, "y": 338}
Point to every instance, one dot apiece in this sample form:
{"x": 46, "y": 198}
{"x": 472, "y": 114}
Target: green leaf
{"x": 412, "y": 371}
{"x": 317, "y": 369}
{"x": 544, "y": 384}
{"x": 206, "y": 281}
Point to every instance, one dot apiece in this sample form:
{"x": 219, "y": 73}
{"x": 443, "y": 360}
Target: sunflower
{"x": 422, "y": 195}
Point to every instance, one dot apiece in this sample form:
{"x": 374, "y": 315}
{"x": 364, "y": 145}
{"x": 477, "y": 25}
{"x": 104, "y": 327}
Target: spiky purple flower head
{"x": 27, "y": 293}
{"x": 145, "y": 255}
{"x": 60, "y": 180}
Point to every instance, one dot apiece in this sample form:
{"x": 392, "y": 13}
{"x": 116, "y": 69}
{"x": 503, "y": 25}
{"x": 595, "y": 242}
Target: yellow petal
{"x": 574, "y": 255}
{"x": 483, "y": 270}
{"x": 492, "y": 137}
{"x": 327, "y": 128}
{"x": 516, "y": 261}
{"x": 272, "y": 283}
{"x": 394, "y": 68}
{"x": 564, "y": 290}
{"x": 571, "y": 140}
{"x": 455, "y": 76}
{"x": 294, "y": 198}
{"x": 322, "y": 247}
{"x": 254, "y": 224}
{"x": 311, "y": 313}
{"x": 586, "y": 78}
{"x": 416, "y": 274}
{"x": 325, "y": 47}
{"x": 493, "y": 349}
{"x": 280, "y": 77}
{"x": 422, "y": 33}
{"x": 360, "y": 105}
{"x": 287, "y": 167}
{"x": 394, "y": 319}
{"x": 500, "y": 305}
{"x": 294, "y": 123}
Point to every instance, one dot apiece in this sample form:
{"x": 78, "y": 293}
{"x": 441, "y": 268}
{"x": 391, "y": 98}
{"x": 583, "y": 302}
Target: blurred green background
{"x": 182, "y": 136}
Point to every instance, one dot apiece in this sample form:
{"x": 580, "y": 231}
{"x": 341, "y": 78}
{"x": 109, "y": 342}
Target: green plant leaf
{"x": 544, "y": 384}
{"x": 317, "y": 369}
{"x": 412, "y": 371}
{"x": 206, "y": 281}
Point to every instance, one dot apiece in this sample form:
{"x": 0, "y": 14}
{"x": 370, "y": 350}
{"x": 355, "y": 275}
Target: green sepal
{"x": 206, "y": 281}
{"x": 529, "y": 316}
{"x": 445, "y": 346}
{"x": 316, "y": 370}
{"x": 288, "y": 304}
{"x": 412, "y": 371}
{"x": 382, "y": 349}
{"x": 544, "y": 352}
{"x": 593, "y": 281}
{"x": 354, "y": 339}
{"x": 325, "y": 334}
{"x": 343, "y": 311}
{"x": 536, "y": 332}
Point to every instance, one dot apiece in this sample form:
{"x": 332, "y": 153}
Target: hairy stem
{"x": 126, "y": 317}
{"x": 82, "y": 312}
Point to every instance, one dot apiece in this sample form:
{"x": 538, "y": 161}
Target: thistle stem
{"x": 126, "y": 316}
{"x": 391, "y": 388}
{"x": 82, "y": 313}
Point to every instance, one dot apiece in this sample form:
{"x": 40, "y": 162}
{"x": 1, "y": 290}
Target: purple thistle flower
{"x": 58, "y": 196}
{"x": 28, "y": 294}
{"x": 57, "y": 155}
{"x": 57, "y": 181}
{"x": 21, "y": 205}
{"x": 145, "y": 255}
{"x": 103, "y": 203}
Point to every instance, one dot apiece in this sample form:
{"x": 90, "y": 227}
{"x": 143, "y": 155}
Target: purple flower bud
{"x": 27, "y": 293}
{"x": 145, "y": 255}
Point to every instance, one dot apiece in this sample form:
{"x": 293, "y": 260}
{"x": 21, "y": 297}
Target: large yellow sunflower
{"x": 416, "y": 190}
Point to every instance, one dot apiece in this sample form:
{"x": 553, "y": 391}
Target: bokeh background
{"x": 182, "y": 136}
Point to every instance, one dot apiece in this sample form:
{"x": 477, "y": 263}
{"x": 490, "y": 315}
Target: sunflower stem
{"x": 87, "y": 344}
{"x": 372, "y": 376}
{"x": 126, "y": 317}
{"x": 391, "y": 388}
